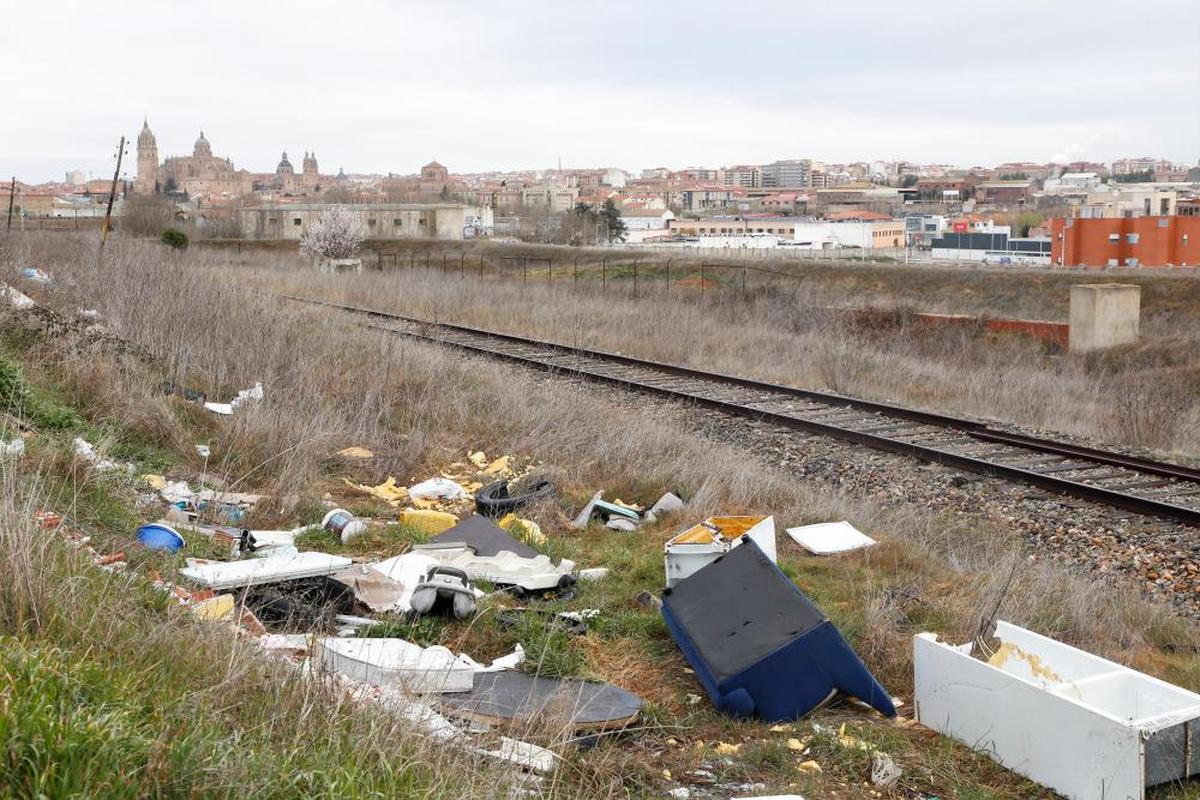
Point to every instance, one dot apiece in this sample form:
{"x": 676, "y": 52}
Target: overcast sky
{"x": 375, "y": 86}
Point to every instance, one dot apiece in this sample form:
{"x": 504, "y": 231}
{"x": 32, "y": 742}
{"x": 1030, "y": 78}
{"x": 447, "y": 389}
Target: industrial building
{"x": 379, "y": 220}
{"x": 1166, "y": 241}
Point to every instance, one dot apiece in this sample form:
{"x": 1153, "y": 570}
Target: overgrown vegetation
{"x": 181, "y": 695}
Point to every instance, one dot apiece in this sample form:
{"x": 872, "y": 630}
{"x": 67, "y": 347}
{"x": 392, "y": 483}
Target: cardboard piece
{"x": 1084, "y": 726}
{"x": 759, "y": 645}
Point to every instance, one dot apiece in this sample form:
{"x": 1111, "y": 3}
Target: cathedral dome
{"x": 285, "y": 166}
{"x": 202, "y": 148}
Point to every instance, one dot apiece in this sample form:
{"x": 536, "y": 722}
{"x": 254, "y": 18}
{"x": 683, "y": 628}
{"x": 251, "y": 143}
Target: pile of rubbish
{"x": 755, "y": 643}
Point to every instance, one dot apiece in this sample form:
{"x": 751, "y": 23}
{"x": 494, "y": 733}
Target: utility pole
{"x": 112, "y": 193}
{"x": 12, "y": 193}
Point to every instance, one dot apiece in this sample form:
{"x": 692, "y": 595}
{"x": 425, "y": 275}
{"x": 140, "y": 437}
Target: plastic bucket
{"x": 157, "y": 536}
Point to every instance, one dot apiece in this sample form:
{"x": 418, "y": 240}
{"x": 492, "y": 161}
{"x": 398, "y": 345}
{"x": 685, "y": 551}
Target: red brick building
{"x": 1126, "y": 242}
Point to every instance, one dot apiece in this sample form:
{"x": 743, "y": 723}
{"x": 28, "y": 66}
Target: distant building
{"x": 646, "y": 219}
{"x": 995, "y": 246}
{"x": 558, "y": 198}
{"x": 201, "y": 173}
{"x": 786, "y": 174}
{"x": 745, "y": 176}
{"x": 1119, "y": 200}
{"x": 76, "y": 177}
{"x": 378, "y": 220}
{"x": 1167, "y": 241}
{"x": 881, "y": 235}
{"x": 1012, "y": 192}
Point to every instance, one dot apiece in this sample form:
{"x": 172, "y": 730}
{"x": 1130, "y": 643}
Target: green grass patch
{"x": 23, "y": 400}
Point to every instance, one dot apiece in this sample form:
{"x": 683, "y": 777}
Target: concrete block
{"x": 1104, "y": 315}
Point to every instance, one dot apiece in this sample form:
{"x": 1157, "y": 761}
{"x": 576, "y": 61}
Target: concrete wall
{"x": 1104, "y": 315}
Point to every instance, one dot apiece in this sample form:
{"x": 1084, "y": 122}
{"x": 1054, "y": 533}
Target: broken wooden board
{"x": 508, "y": 696}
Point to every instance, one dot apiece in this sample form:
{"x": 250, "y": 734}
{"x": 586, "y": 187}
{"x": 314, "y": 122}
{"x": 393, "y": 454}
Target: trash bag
{"x": 494, "y": 500}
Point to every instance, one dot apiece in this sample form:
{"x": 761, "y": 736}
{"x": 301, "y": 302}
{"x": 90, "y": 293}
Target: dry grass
{"x": 1146, "y": 396}
{"x": 208, "y": 321}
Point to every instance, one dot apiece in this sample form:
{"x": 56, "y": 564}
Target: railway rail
{"x": 1131, "y": 483}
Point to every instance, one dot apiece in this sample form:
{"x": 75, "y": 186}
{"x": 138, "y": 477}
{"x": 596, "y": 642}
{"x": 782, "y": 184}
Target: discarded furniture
{"x": 444, "y": 587}
{"x": 758, "y": 645}
{"x": 827, "y": 538}
{"x": 253, "y": 571}
{"x": 1077, "y": 723}
{"x": 535, "y": 574}
{"x": 701, "y": 544}
{"x": 388, "y": 662}
{"x": 507, "y": 696}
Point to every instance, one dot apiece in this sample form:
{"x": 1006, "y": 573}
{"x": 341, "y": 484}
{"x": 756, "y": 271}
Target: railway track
{"x": 1135, "y": 484}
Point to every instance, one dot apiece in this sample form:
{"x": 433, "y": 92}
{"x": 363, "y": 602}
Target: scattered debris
{"x": 14, "y": 448}
{"x": 666, "y": 504}
{"x": 741, "y": 623}
{"x": 88, "y": 453}
{"x": 395, "y": 661}
{"x": 515, "y": 696}
{"x": 203, "y": 451}
{"x": 592, "y": 573}
{"x": 496, "y": 500}
{"x": 35, "y": 275}
{"x": 1077, "y": 723}
{"x": 160, "y": 536}
{"x": 527, "y": 529}
{"x": 343, "y": 524}
{"x": 621, "y": 516}
{"x": 427, "y": 520}
{"x": 389, "y": 491}
{"x": 356, "y": 453}
{"x": 16, "y": 298}
{"x": 830, "y": 537}
{"x": 219, "y": 607}
{"x": 484, "y": 537}
{"x": 535, "y": 574}
{"x": 884, "y": 771}
{"x": 233, "y": 574}
{"x": 438, "y": 489}
{"x": 447, "y": 588}
{"x": 301, "y": 604}
{"x": 243, "y": 397}
{"x": 702, "y": 544}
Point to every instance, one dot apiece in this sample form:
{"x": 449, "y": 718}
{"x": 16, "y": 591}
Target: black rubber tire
{"x": 495, "y": 501}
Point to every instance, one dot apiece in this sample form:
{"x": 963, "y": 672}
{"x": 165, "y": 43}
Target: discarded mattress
{"x": 388, "y": 662}
{"x": 485, "y": 537}
{"x": 701, "y": 544}
{"x": 506, "y": 569}
{"x": 516, "y": 696}
{"x": 758, "y": 645}
{"x": 1077, "y": 723}
{"x": 254, "y": 571}
{"x": 827, "y": 538}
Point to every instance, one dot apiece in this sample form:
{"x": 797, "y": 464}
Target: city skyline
{"x": 382, "y": 88}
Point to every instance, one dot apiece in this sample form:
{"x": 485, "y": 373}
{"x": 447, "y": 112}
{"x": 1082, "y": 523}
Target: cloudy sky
{"x": 375, "y": 86}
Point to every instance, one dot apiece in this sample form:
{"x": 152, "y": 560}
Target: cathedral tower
{"x": 146, "y": 181}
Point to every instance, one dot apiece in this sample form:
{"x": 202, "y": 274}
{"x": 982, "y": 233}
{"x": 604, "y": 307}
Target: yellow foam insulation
{"x": 428, "y": 521}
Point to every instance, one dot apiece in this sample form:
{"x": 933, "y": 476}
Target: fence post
{"x": 701, "y": 280}
{"x": 481, "y": 266}
{"x": 412, "y": 259}
{"x": 743, "y": 280}
{"x": 550, "y": 268}
{"x": 668, "y": 277}
{"x": 635, "y": 266}
{"x": 525, "y": 269}
{"x": 576, "y": 271}
{"x": 462, "y": 264}
{"x": 443, "y": 263}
